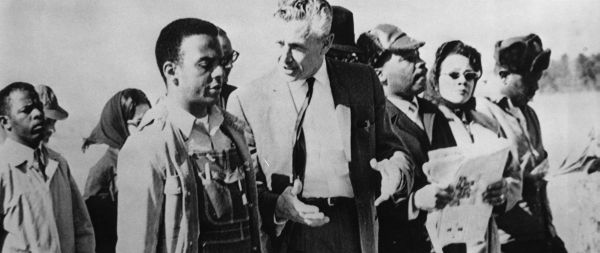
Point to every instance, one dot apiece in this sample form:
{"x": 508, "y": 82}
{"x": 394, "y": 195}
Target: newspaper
{"x": 469, "y": 169}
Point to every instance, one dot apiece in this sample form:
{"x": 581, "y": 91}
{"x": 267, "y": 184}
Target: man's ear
{"x": 5, "y": 123}
{"x": 382, "y": 77}
{"x": 169, "y": 69}
{"x": 327, "y": 43}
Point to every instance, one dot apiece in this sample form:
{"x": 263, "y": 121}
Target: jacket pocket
{"x": 224, "y": 203}
{"x": 173, "y": 206}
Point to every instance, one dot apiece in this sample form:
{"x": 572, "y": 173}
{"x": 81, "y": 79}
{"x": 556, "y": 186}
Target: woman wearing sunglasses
{"x": 452, "y": 80}
{"x": 119, "y": 119}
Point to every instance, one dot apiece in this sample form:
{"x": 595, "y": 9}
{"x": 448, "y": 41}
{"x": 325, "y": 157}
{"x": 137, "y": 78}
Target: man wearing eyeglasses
{"x": 229, "y": 57}
{"x": 395, "y": 57}
{"x": 520, "y": 62}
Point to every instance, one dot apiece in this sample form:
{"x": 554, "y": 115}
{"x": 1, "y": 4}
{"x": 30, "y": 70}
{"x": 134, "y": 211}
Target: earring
{"x": 176, "y": 82}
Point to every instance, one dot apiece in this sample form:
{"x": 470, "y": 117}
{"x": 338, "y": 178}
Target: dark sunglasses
{"x": 228, "y": 60}
{"x": 469, "y": 75}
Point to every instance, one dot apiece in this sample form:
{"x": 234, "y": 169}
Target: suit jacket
{"x": 531, "y": 219}
{"x": 158, "y": 196}
{"x": 226, "y": 90}
{"x": 396, "y": 232}
{"x": 359, "y": 103}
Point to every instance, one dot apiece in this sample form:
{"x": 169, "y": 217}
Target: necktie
{"x": 299, "y": 152}
{"x": 40, "y": 162}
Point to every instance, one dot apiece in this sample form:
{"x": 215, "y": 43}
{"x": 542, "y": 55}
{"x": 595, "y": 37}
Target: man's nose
{"x": 421, "y": 65}
{"x": 218, "y": 74}
{"x": 286, "y": 54}
{"x": 37, "y": 113}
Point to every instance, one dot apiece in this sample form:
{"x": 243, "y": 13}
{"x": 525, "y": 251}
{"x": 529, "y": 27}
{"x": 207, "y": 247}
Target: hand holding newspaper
{"x": 469, "y": 169}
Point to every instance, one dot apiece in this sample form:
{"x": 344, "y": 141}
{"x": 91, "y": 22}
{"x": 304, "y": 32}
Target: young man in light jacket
{"x": 40, "y": 204}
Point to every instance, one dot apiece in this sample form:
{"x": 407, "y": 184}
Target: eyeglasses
{"x": 469, "y": 75}
{"x": 228, "y": 60}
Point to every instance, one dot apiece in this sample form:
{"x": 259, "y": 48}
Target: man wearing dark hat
{"x": 52, "y": 110}
{"x": 395, "y": 57}
{"x": 342, "y": 26}
{"x": 520, "y": 62}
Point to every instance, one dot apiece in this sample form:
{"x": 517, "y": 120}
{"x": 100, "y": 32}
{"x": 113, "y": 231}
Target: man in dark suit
{"x": 229, "y": 57}
{"x": 421, "y": 127}
{"x": 319, "y": 127}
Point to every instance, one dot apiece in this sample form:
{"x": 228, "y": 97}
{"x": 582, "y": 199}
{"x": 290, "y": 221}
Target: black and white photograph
{"x": 299, "y": 126}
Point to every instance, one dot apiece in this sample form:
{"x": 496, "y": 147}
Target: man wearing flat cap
{"x": 520, "y": 62}
{"x": 420, "y": 125}
{"x": 52, "y": 110}
{"x": 342, "y": 27}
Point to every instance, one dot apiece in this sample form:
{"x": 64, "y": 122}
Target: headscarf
{"x": 446, "y": 49}
{"x": 112, "y": 128}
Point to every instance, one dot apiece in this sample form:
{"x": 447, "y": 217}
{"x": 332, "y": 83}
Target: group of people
{"x": 323, "y": 153}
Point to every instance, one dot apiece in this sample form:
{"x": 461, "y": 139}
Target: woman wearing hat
{"x": 452, "y": 80}
{"x": 120, "y": 117}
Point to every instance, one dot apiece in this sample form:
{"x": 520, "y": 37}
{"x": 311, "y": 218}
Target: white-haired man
{"x": 318, "y": 128}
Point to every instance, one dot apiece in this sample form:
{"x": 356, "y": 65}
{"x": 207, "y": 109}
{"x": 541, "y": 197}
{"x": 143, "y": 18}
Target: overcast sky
{"x": 88, "y": 50}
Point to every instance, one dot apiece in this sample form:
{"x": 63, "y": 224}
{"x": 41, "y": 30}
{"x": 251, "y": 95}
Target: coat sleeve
{"x": 389, "y": 145}
{"x": 84, "y": 231}
{"x": 141, "y": 196}
{"x": 267, "y": 200}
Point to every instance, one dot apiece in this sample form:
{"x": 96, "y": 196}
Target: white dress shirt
{"x": 327, "y": 173}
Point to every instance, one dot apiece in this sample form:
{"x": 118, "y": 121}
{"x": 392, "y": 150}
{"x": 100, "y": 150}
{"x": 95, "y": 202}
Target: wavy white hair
{"x": 316, "y": 13}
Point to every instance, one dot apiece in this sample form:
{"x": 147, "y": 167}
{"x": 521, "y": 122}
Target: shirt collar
{"x": 320, "y": 76}
{"x": 185, "y": 121}
{"x": 404, "y": 105}
{"x": 17, "y": 153}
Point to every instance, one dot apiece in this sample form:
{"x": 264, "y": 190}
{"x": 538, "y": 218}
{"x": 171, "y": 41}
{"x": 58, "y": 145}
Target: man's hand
{"x": 291, "y": 208}
{"x": 390, "y": 178}
{"x": 433, "y": 196}
{"x": 495, "y": 193}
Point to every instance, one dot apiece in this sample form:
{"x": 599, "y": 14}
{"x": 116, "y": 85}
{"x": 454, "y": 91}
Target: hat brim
{"x": 406, "y": 43}
{"x": 346, "y": 48}
{"x": 56, "y": 114}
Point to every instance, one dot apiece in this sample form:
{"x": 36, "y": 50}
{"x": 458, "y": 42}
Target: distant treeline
{"x": 567, "y": 75}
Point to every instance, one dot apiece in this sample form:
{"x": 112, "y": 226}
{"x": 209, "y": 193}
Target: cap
{"x": 51, "y": 108}
{"x": 386, "y": 37}
{"x": 342, "y": 26}
{"x": 523, "y": 54}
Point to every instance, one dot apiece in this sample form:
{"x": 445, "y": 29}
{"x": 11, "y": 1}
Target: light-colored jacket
{"x": 37, "y": 215}
{"x": 158, "y": 201}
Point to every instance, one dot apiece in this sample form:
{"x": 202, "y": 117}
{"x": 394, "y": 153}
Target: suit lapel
{"x": 341, "y": 102}
{"x": 51, "y": 169}
{"x": 402, "y": 121}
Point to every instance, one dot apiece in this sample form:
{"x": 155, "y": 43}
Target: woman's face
{"x": 132, "y": 124}
{"x": 457, "y": 79}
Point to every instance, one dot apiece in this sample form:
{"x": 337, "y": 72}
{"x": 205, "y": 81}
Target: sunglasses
{"x": 228, "y": 60}
{"x": 469, "y": 75}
